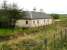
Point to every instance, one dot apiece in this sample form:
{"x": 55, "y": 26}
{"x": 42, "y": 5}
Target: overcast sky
{"x": 49, "y": 6}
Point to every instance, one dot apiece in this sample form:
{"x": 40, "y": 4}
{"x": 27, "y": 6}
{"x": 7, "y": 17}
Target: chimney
{"x": 34, "y": 9}
{"x": 41, "y": 10}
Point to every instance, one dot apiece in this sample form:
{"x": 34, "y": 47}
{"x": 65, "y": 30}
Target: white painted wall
{"x": 33, "y": 23}
{"x": 22, "y": 23}
{"x": 42, "y": 22}
{"x": 50, "y": 21}
{"x": 38, "y": 22}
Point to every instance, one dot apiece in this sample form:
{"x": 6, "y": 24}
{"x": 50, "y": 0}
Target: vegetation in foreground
{"x": 52, "y": 37}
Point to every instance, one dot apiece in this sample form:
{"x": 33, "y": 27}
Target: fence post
{"x": 65, "y": 34}
{"x": 61, "y": 34}
{"x": 45, "y": 42}
{"x": 54, "y": 40}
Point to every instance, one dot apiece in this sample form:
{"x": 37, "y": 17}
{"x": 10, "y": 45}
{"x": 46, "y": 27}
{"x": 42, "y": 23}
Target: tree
{"x": 9, "y": 15}
{"x": 55, "y": 16}
{"x": 3, "y": 15}
{"x": 14, "y": 14}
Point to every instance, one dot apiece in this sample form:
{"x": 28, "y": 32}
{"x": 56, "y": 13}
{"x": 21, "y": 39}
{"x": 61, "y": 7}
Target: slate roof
{"x": 35, "y": 15}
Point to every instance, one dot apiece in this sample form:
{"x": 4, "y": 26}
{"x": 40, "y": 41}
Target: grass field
{"x": 5, "y": 32}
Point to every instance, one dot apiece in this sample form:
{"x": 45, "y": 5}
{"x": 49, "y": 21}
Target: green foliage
{"x": 6, "y": 32}
{"x": 55, "y": 16}
{"x": 9, "y": 15}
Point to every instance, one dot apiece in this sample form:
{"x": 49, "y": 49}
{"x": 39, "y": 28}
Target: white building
{"x": 34, "y": 19}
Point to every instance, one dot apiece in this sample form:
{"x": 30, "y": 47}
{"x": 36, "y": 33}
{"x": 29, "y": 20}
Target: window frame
{"x": 26, "y": 22}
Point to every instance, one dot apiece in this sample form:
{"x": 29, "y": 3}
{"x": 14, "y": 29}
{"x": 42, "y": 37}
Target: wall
{"x": 42, "y": 22}
{"x": 33, "y": 23}
{"x": 22, "y": 23}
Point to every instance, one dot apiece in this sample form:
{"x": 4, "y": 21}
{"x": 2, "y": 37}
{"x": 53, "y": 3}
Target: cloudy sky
{"x": 49, "y": 6}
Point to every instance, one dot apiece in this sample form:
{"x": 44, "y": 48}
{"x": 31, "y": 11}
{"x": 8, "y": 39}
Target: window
{"x": 34, "y": 22}
{"x": 26, "y": 22}
{"x": 38, "y": 21}
{"x": 48, "y": 20}
{"x": 44, "y": 20}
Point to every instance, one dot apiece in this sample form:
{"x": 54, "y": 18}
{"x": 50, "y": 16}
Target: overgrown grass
{"x": 45, "y": 37}
{"x": 6, "y": 32}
